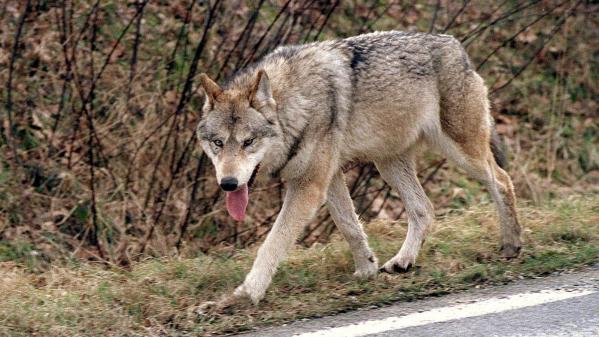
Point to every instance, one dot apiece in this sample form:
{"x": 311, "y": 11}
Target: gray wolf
{"x": 305, "y": 111}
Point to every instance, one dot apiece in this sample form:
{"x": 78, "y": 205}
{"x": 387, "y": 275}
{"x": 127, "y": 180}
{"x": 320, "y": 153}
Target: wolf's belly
{"x": 378, "y": 130}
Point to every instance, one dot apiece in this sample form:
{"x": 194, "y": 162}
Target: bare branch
{"x": 431, "y": 28}
{"x": 539, "y": 48}
{"x": 13, "y": 57}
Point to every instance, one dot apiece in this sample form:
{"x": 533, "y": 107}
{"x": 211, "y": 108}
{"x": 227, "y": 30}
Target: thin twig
{"x": 253, "y": 20}
{"x": 133, "y": 65}
{"x": 256, "y": 46}
{"x": 470, "y": 36}
{"x": 61, "y": 22}
{"x": 182, "y": 102}
{"x": 514, "y": 36}
{"x": 248, "y": 27}
{"x": 366, "y": 18}
{"x": 94, "y": 233}
{"x": 457, "y": 14}
{"x": 431, "y": 28}
{"x": 192, "y": 199}
{"x": 326, "y": 19}
{"x": 539, "y": 49}
{"x": 11, "y": 66}
{"x": 170, "y": 65}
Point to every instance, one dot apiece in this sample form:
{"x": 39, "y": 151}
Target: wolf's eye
{"x": 248, "y": 142}
{"x": 218, "y": 142}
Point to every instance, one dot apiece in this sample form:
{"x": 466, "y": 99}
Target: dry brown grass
{"x": 157, "y": 297}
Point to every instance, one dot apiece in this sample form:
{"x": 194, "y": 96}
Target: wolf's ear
{"x": 211, "y": 89}
{"x": 261, "y": 93}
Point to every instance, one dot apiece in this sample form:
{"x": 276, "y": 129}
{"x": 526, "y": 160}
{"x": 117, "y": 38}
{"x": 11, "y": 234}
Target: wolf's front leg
{"x": 302, "y": 200}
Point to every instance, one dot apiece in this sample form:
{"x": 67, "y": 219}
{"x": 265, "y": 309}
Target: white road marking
{"x": 443, "y": 314}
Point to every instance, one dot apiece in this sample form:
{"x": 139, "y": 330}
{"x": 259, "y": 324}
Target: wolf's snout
{"x": 229, "y": 184}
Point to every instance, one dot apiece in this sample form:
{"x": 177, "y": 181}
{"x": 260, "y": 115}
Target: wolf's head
{"x": 236, "y": 130}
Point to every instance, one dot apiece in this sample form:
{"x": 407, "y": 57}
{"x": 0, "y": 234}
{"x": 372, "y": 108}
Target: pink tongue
{"x": 237, "y": 202}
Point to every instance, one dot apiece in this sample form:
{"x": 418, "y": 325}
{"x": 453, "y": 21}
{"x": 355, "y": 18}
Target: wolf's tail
{"x": 497, "y": 149}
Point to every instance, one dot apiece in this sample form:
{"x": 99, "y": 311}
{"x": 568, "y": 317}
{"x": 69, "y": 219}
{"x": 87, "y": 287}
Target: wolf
{"x": 305, "y": 111}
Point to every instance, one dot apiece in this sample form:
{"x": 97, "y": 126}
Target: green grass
{"x": 161, "y": 295}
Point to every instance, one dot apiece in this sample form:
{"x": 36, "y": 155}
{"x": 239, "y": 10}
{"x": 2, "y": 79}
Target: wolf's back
{"x": 410, "y": 55}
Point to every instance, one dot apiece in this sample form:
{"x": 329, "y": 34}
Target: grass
{"x": 158, "y": 296}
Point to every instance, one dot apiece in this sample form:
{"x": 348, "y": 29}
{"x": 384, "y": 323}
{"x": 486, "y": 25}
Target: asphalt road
{"x": 559, "y": 305}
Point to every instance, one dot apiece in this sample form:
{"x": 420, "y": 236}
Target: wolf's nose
{"x": 228, "y": 184}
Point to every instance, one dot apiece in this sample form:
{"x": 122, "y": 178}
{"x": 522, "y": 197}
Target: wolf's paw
{"x": 249, "y": 292}
{"x": 398, "y": 264}
{"x": 510, "y": 251}
{"x": 225, "y": 305}
{"x": 395, "y": 268}
{"x": 367, "y": 269}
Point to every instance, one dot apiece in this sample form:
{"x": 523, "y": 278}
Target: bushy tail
{"x": 497, "y": 149}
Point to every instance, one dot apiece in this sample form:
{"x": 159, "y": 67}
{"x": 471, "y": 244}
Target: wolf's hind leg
{"x": 400, "y": 174}
{"x": 343, "y": 214}
{"x": 465, "y": 139}
{"x": 485, "y": 169}
{"x": 505, "y": 199}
